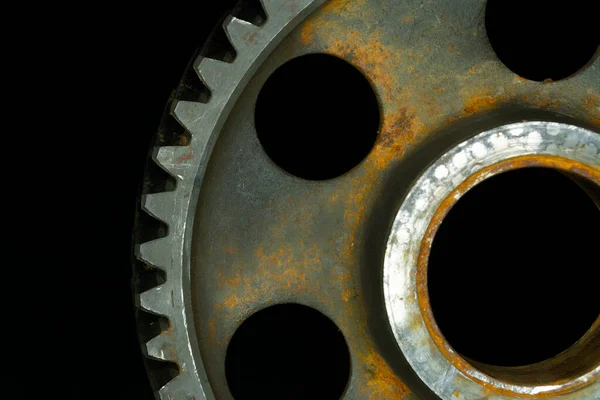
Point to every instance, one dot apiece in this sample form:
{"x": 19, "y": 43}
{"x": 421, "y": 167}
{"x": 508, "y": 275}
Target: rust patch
{"x": 232, "y": 302}
{"x": 591, "y": 104}
{"x": 475, "y": 104}
{"x": 281, "y": 269}
{"x": 569, "y": 166}
{"x": 400, "y": 129}
{"x": 343, "y": 7}
{"x": 186, "y": 157}
{"x": 479, "y": 103}
{"x": 233, "y": 282}
{"x": 381, "y": 382}
{"x": 212, "y": 331}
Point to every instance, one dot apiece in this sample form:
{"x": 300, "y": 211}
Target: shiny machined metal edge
{"x": 187, "y": 165}
{"x": 410, "y": 225}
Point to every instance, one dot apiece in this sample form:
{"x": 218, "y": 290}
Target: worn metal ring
{"x": 575, "y": 373}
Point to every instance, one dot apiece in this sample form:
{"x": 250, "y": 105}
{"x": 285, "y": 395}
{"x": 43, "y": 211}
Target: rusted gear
{"x": 228, "y": 238}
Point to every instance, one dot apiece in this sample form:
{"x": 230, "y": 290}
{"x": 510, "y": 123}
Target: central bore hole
{"x": 514, "y": 268}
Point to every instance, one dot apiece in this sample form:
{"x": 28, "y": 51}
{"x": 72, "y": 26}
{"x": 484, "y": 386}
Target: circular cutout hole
{"x": 541, "y": 40}
{"x": 513, "y": 271}
{"x": 287, "y": 351}
{"x": 317, "y": 117}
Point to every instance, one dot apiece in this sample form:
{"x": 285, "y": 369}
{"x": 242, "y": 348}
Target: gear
{"x": 202, "y": 120}
{"x": 225, "y": 233}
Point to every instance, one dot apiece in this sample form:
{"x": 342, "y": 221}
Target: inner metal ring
{"x": 574, "y": 373}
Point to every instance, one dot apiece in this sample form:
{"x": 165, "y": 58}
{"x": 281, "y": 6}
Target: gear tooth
{"x": 155, "y": 252}
{"x": 178, "y": 388}
{"x": 189, "y": 114}
{"x": 159, "y": 205}
{"x": 173, "y": 159}
{"x": 162, "y": 347}
{"x": 213, "y": 72}
{"x": 153, "y": 300}
{"x": 240, "y": 33}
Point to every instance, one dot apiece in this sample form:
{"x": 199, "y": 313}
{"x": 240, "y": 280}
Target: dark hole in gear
{"x": 514, "y": 268}
{"x": 317, "y": 117}
{"x": 287, "y": 351}
{"x": 541, "y": 40}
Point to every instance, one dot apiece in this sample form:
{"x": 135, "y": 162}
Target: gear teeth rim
{"x": 191, "y": 115}
{"x": 202, "y": 119}
{"x": 162, "y": 347}
{"x": 159, "y": 206}
{"x": 177, "y": 388}
{"x": 152, "y": 300}
{"x": 213, "y": 72}
{"x": 240, "y": 32}
{"x": 173, "y": 159}
{"x": 156, "y": 252}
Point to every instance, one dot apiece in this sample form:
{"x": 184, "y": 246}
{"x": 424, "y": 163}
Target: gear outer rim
{"x": 187, "y": 165}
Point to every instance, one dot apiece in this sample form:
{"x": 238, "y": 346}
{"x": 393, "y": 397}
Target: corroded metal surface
{"x": 202, "y": 119}
{"x": 572, "y": 374}
{"x": 256, "y": 236}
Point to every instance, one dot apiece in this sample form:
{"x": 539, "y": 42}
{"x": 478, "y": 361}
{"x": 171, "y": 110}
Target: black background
{"x": 121, "y": 64}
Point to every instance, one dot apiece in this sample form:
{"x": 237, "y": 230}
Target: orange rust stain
{"x": 186, "y": 157}
{"x": 591, "y": 104}
{"x": 170, "y": 332}
{"x": 401, "y": 129}
{"x": 472, "y": 71}
{"x": 307, "y": 34}
{"x": 381, "y": 382}
{"x": 212, "y": 331}
{"x": 343, "y": 7}
{"x": 479, "y": 103}
{"x": 543, "y": 101}
{"x": 475, "y": 104}
{"x": 232, "y": 302}
{"x": 233, "y": 282}
{"x": 400, "y": 126}
{"x": 456, "y": 393}
{"x": 278, "y": 269}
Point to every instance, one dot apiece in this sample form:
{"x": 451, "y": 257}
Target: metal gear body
{"x": 231, "y": 218}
